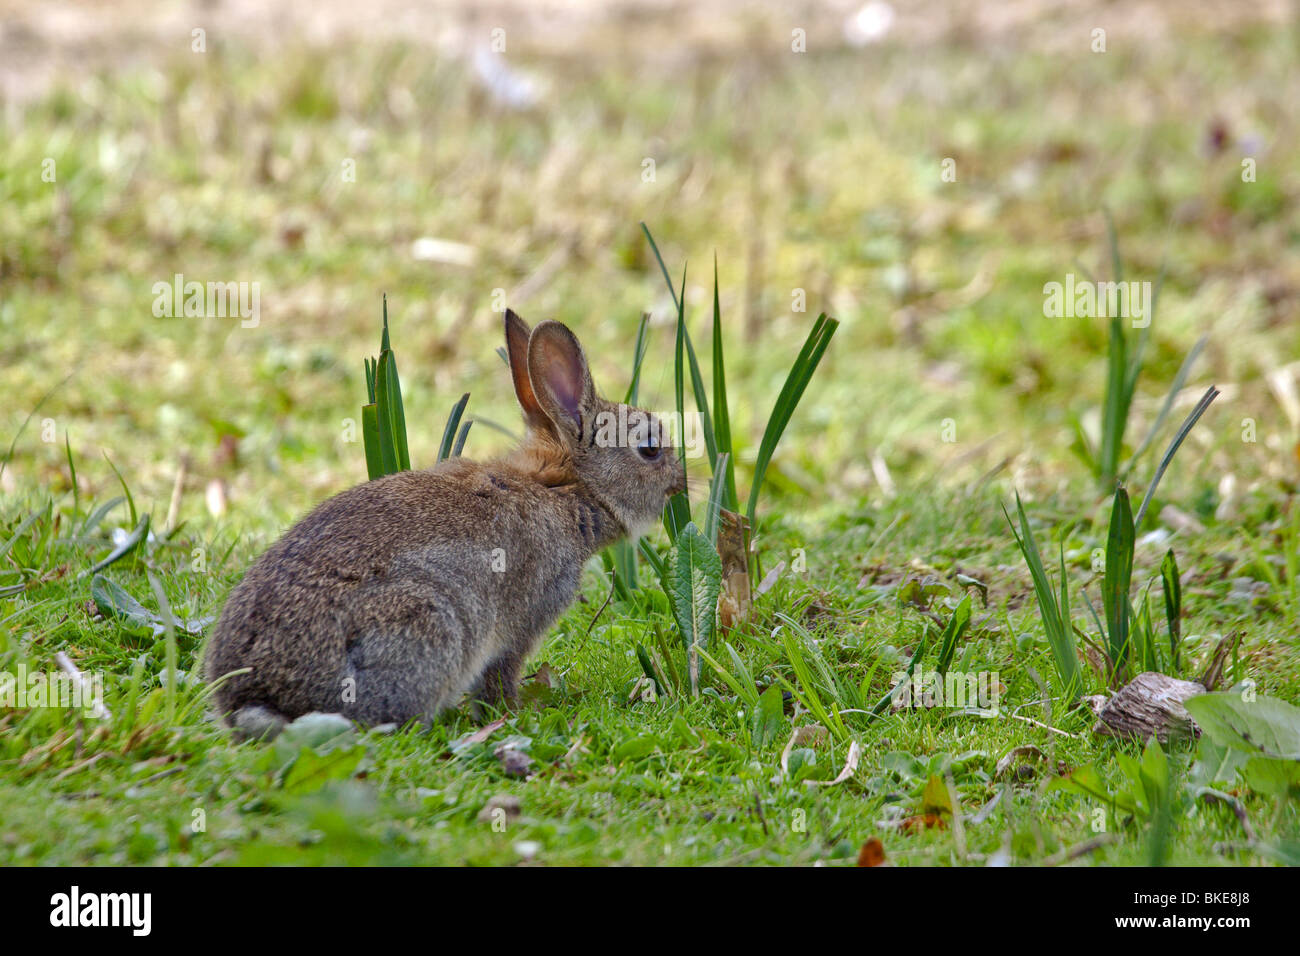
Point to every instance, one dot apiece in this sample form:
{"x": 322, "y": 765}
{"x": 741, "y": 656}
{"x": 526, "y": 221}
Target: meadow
{"x": 923, "y": 193}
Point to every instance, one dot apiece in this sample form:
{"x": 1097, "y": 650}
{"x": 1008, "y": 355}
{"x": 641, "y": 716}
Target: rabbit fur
{"x": 391, "y": 600}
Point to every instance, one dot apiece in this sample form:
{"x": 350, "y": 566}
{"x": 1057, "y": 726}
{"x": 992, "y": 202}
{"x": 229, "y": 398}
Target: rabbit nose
{"x": 679, "y": 485}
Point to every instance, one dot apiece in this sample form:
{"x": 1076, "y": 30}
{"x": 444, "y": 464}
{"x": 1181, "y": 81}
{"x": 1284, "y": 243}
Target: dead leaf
{"x": 872, "y": 853}
{"x": 926, "y": 821}
{"x": 850, "y": 768}
{"x": 735, "y": 598}
{"x": 480, "y": 735}
{"x": 770, "y": 579}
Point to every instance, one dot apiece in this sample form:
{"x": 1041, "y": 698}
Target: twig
{"x": 1079, "y": 849}
{"x": 1038, "y": 723}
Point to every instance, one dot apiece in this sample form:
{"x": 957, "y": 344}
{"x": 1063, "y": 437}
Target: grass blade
{"x": 1173, "y": 588}
{"x": 957, "y": 625}
{"x": 72, "y": 475}
{"x": 1117, "y": 578}
{"x": 721, "y": 417}
{"x": 800, "y": 375}
{"x": 713, "y": 507}
{"x": 1115, "y": 409}
{"x": 1179, "y": 380}
{"x": 130, "y": 499}
{"x": 449, "y": 432}
{"x": 98, "y": 515}
{"x": 662, "y": 268}
{"x": 638, "y": 355}
{"x": 133, "y": 540}
{"x": 677, "y": 513}
{"x": 1060, "y": 635}
{"x": 460, "y": 439}
{"x": 370, "y": 437}
{"x": 22, "y": 530}
{"x": 1188, "y": 424}
{"x": 701, "y": 401}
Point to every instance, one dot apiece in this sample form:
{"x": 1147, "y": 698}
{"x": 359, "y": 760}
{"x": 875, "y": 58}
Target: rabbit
{"x": 391, "y": 600}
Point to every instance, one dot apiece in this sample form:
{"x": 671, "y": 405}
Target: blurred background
{"x": 464, "y": 156}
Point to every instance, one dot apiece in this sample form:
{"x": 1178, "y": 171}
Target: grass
{"x": 881, "y": 522}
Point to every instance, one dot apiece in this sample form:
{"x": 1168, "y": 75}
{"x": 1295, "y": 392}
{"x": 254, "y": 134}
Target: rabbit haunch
{"x": 393, "y": 599}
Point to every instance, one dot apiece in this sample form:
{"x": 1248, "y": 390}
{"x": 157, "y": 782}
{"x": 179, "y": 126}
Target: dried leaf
{"x": 872, "y": 853}
{"x": 736, "y": 598}
{"x": 850, "y": 767}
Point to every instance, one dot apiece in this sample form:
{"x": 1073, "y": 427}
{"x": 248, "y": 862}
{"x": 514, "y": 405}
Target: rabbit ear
{"x": 517, "y": 333}
{"x": 560, "y": 377}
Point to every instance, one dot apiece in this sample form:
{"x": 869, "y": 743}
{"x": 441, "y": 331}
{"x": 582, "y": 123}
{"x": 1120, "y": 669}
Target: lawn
{"x": 922, "y": 191}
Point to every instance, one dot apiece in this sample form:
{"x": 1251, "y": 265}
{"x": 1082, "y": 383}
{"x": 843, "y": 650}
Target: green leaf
{"x": 384, "y": 418}
{"x": 957, "y": 625}
{"x": 370, "y": 435}
{"x": 114, "y": 602}
{"x": 1179, "y": 381}
{"x": 713, "y": 506}
{"x": 694, "y": 579}
{"x": 1273, "y": 776}
{"x": 311, "y": 770}
{"x": 72, "y": 474}
{"x": 1087, "y": 782}
{"x": 460, "y": 439}
{"x": 1173, "y": 588}
{"x": 446, "y": 448}
{"x": 1060, "y": 633}
{"x": 98, "y": 515}
{"x": 23, "y": 529}
{"x": 1154, "y": 777}
{"x": 1117, "y": 578}
{"x": 1265, "y": 725}
{"x": 392, "y": 419}
{"x": 657, "y": 564}
{"x": 1119, "y": 398}
{"x": 638, "y": 355}
{"x": 721, "y": 417}
{"x": 1215, "y": 764}
{"x": 133, "y": 540}
{"x": 701, "y": 400}
{"x": 130, "y": 499}
{"x": 636, "y": 748}
{"x": 1188, "y": 424}
{"x": 806, "y": 690}
{"x": 935, "y": 798}
{"x": 768, "y": 721}
{"x": 796, "y": 382}
{"x": 748, "y": 694}
{"x": 652, "y": 672}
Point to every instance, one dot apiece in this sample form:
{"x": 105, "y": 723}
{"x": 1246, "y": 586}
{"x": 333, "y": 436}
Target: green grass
{"x": 821, "y": 195}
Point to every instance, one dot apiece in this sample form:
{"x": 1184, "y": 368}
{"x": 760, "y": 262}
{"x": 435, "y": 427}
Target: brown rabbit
{"x": 391, "y": 600}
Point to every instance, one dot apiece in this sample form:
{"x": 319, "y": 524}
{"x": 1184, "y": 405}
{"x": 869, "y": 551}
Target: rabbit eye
{"x": 648, "y": 449}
